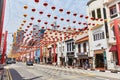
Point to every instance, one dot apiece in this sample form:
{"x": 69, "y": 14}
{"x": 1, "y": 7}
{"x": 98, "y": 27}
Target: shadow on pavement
{"x": 16, "y": 76}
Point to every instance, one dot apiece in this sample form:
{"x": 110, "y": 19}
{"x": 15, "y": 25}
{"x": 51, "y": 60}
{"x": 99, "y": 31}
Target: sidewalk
{"x": 88, "y": 71}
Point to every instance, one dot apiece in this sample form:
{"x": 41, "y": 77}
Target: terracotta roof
{"x": 86, "y": 38}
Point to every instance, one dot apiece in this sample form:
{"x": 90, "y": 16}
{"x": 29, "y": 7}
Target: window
{"x": 119, "y": 6}
{"x": 99, "y": 13}
{"x": 98, "y": 36}
{"x": 93, "y": 13}
{"x": 70, "y": 47}
{"x": 84, "y": 47}
{"x": 73, "y": 46}
{"x": 79, "y": 48}
{"x": 113, "y": 11}
{"x": 67, "y": 47}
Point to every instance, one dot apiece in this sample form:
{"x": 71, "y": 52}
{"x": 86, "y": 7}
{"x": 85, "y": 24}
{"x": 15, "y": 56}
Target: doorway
{"x": 99, "y": 61}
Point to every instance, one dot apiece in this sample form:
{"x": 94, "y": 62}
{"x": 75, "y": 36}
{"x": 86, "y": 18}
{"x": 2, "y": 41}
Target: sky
{"x": 15, "y": 10}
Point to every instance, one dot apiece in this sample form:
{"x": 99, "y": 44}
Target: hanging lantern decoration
{"x": 52, "y": 25}
{"x": 86, "y": 17}
{"x": 34, "y": 28}
{"x": 61, "y": 10}
{"x": 45, "y": 4}
{"x": 75, "y": 14}
{"x": 69, "y": 28}
{"x": 79, "y": 23}
{"x": 58, "y": 26}
{"x": 68, "y": 12}
{"x": 101, "y": 19}
{"x": 68, "y": 20}
{"x": 48, "y": 28}
{"x": 55, "y": 17}
{"x": 45, "y": 23}
{"x": 92, "y": 18}
{"x": 74, "y": 28}
{"x": 64, "y": 27}
{"x": 26, "y": 29}
{"x": 37, "y": 1}
{"x": 32, "y": 18}
{"x": 20, "y": 28}
{"x": 25, "y": 15}
{"x": 48, "y": 15}
{"x": 81, "y": 16}
{"x": 89, "y": 24}
{"x": 33, "y": 10}
{"x": 28, "y": 26}
{"x": 25, "y": 7}
{"x": 62, "y": 19}
{"x": 22, "y": 24}
{"x": 80, "y": 29}
{"x": 39, "y": 20}
{"x": 53, "y": 8}
{"x": 93, "y": 24}
{"x": 24, "y": 21}
{"x": 30, "y": 23}
{"x": 84, "y": 23}
{"x": 96, "y": 19}
{"x": 74, "y": 22}
{"x": 41, "y": 12}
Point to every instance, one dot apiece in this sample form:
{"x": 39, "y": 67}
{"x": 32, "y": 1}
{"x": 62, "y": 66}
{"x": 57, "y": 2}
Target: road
{"x": 20, "y": 71}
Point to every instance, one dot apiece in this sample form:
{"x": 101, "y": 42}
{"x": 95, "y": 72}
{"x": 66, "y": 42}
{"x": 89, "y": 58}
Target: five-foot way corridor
{"x": 20, "y": 71}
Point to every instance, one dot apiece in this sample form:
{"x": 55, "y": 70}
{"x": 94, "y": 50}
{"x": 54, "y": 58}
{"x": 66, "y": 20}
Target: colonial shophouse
{"x": 113, "y": 12}
{"x": 82, "y": 49}
{"x": 98, "y": 34}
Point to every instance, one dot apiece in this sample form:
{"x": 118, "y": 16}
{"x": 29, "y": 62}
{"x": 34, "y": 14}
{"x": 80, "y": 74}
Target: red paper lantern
{"x": 62, "y": 19}
{"x": 25, "y": 15}
{"x": 92, "y": 18}
{"x": 25, "y": 7}
{"x": 28, "y": 26}
{"x": 48, "y": 15}
{"x": 37, "y": 1}
{"x": 58, "y": 26}
{"x": 75, "y": 14}
{"x": 79, "y": 23}
{"x": 86, "y": 17}
{"x": 32, "y": 18}
{"x": 74, "y": 28}
{"x": 53, "y": 7}
{"x": 84, "y": 23}
{"x": 74, "y": 22}
{"x": 81, "y": 16}
{"x": 93, "y": 24}
{"x": 33, "y": 10}
{"x": 61, "y": 10}
{"x": 96, "y": 19}
{"x": 22, "y": 24}
{"x": 41, "y": 12}
{"x": 30, "y": 23}
{"x": 89, "y": 23}
{"x": 80, "y": 29}
{"x": 68, "y": 20}
{"x": 68, "y": 12}
{"x": 55, "y": 17}
{"x": 26, "y": 29}
{"x": 45, "y": 4}
{"x": 39, "y": 20}
{"x": 101, "y": 19}
{"x": 24, "y": 21}
{"x": 48, "y": 28}
{"x": 52, "y": 25}
{"x": 64, "y": 27}
{"x": 34, "y": 28}
{"x": 45, "y": 23}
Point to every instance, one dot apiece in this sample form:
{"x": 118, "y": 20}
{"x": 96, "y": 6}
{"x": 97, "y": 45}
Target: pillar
{"x": 117, "y": 34}
{"x": 54, "y": 52}
{"x": 41, "y": 60}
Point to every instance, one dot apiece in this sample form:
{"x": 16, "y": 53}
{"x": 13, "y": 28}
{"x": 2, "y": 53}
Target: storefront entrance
{"x": 99, "y": 61}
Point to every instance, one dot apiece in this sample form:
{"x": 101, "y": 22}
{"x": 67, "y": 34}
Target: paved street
{"x": 20, "y": 71}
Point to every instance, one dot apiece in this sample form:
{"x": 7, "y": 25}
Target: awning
{"x": 113, "y": 48}
{"x": 82, "y": 39}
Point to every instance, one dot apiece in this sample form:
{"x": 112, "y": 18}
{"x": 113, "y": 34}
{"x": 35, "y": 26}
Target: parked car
{"x": 13, "y": 61}
{"x": 9, "y": 62}
{"x": 29, "y": 63}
